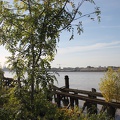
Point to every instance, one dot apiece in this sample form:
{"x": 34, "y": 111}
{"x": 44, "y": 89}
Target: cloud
{"x": 111, "y": 26}
{"x": 97, "y": 46}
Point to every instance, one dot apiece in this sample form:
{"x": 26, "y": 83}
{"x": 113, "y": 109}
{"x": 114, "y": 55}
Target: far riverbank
{"x": 83, "y": 69}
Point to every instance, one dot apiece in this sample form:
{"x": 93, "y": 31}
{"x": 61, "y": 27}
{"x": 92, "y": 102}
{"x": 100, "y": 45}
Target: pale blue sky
{"x": 98, "y": 45}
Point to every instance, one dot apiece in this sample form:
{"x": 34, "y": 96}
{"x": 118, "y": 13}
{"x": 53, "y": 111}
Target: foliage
{"x": 18, "y": 107}
{"x": 110, "y": 85}
{"x": 1, "y": 75}
{"x": 99, "y": 116}
{"x": 1, "y": 78}
{"x": 30, "y": 30}
{"x": 76, "y": 114}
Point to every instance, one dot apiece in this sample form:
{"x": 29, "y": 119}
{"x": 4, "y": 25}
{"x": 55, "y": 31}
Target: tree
{"x": 30, "y": 29}
{"x": 1, "y": 78}
{"x": 110, "y": 85}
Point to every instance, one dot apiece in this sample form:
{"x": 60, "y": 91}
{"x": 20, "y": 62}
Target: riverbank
{"x": 83, "y": 69}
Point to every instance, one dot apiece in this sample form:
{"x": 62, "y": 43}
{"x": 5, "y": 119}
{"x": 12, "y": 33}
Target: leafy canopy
{"x": 30, "y": 30}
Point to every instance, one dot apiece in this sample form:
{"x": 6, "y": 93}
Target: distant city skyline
{"x": 77, "y": 69}
{"x": 98, "y": 45}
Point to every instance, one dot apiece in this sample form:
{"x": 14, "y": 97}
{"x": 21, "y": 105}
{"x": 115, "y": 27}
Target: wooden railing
{"x": 65, "y": 96}
{"x": 68, "y": 97}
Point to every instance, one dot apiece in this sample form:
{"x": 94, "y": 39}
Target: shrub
{"x": 110, "y": 85}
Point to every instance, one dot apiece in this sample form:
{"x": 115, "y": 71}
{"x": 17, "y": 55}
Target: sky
{"x": 98, "y": 45}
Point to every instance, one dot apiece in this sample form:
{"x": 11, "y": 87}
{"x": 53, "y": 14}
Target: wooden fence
{"x": 68, "y": 97}
{"x": 65, "y": 96}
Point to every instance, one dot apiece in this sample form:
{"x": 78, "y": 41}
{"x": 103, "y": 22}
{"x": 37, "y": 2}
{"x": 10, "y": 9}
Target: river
{"x": 77, "y": 80}
{"x": 81, "y": 80}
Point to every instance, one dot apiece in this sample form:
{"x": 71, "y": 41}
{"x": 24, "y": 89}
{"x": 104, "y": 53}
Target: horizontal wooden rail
{"x": 97, "y": 94}
{"x": 85, "y": 98}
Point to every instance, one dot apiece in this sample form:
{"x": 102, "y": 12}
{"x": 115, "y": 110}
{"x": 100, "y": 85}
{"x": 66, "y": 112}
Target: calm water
{"x": 77, "y": 80}
{"x": 81, "y": 80}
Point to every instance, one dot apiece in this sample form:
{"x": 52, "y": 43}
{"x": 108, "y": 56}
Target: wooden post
{"x": 91, "y": 106}
{"x": 66, "y": 99}
{"x": 58, "y": 101}
{"x": 76, "y": 100}
{"x": 72, "y": 102}
{"x": 94, "y": 104}
{"x": 66, "y": 81}
{"x": 93, "y": 90}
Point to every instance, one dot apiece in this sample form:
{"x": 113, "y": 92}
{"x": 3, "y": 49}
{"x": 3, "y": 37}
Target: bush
{"x": 110, "y": 85}
{"x": 18, "y": 107}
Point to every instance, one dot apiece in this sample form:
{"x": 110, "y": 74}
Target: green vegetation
{"x": 110, "y": 85}
{"x": 1, "y": 74}
{"x": 30, "y": 30}
{"x": 16, "y": 108}
{"x": 1, "y": 77}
